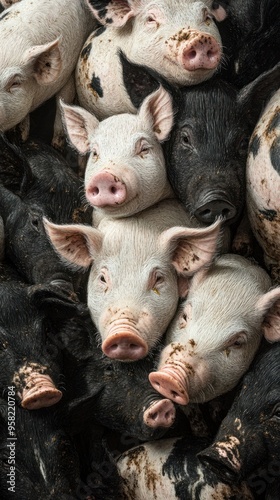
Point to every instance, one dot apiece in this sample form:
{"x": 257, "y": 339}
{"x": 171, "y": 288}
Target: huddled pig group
{"x": 140, "y": 249}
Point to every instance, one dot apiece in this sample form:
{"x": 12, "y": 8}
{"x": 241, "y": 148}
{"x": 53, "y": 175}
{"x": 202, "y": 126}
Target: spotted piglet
{"x": 263, "y": 185}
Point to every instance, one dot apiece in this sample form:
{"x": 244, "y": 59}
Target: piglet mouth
{"x": 171, "y": 381}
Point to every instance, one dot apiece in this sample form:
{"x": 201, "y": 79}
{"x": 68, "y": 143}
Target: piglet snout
{"x": 39, "y": 392}
{"x": 160, "y": 414}
{"x": 210, "y": 210}
{"x": 170, "y": 381}
{"x": 105, "y": 189}
{"x": 125, "y": 346}
{"x": 202, "y": 52}
{"x": 220, "y": 460}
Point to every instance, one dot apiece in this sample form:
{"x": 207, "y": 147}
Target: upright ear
{"x": 157, "y": 110}
{"x": 253, "y": 98}
{"x": 269, "y": 306}
{"x": 114, "y": 13}
{"x": 190, "y": 248}
{"x": 44, "y": 61}
{"x": 79, "y": 125}
{"x": 76, "y": 243}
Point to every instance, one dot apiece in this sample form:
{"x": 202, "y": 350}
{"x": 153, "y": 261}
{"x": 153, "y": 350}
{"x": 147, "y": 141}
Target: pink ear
{"x": 220, "y": 13}
{"x": 79, "y": 124}
{"x": 269, "y": 305}
{"x": 77, "y": 243}
{"x": 113, "y": 13}
{"x": 45, "y": 61}
{"x": 191, "y": 248}
{"x": 157, "y": 107}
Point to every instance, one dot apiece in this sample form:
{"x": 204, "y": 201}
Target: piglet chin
{"x": 171, "y": 382}
{"x": 40, "y": 392}
{"x": 125, "y": 346}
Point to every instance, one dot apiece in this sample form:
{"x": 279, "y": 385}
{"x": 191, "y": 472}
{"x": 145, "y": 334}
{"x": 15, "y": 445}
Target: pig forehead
{"x": 119, "y": 124}
{"x": 9, "y": 71}
{"x": 178, "y": 10}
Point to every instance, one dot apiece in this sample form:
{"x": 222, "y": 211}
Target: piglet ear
{"x": 114, "y": 13}
{"x": 269, "y": 306}
{"x": 79, "y": 125}
{"x": 219, "y": 13}
{"x": 76, "y": 243}
{"x": 157, "y": 109}
{"x": 191, "y": 248}
{"x": 45, "y": 61}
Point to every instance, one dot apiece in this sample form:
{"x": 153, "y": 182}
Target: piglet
{"x": 217, "y": 331}
{"x": 140, "y": 266}
{"x": 125, "y": 172}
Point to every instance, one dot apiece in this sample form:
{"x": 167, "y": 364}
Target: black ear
{"x": 140, "y": 81}
{"x": 253, "y": 98}
{"x": 57, "y": 303}
{"x": 137, "y": 81}
{"x": 14, "y": 164}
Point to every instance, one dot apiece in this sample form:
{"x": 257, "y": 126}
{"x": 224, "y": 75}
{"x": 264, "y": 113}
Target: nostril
{"x": 192, "y": 54}
{"x": 175, "y": 394}
{"x": 134, "y": 347}
{"x": 113, "y": 190}
{"x": 226, "y": 213}
{"x": 95, "y": 191}
{"x": 154, "y": 416}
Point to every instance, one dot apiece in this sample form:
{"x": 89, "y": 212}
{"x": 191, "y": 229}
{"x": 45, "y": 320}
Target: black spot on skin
{"x": 5, "y": 14}
{"x": 99, "y": 31}
{"x": 95, "y": 85}
{"x": 86, "y": 51}
{"x": 255, "y": 145}
{"x": 108, "y": 20}
{"x": 269, "y": 214}
{"x": 275, "y": 154}
{"x": 275, "y": 122}
{"x": 100, "y": 6}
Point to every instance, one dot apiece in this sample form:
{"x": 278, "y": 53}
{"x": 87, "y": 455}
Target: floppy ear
{"x": 114, "y": 13}
{"x": 269, "y": 306}
{"x": 157, "y": 110}
{"x": 44, "y": 61}
{"x": 79, "y": 125}
{"x": 191, "y": 248}
{"x": 253, "y": 97}
{"x": 76, "y": 243}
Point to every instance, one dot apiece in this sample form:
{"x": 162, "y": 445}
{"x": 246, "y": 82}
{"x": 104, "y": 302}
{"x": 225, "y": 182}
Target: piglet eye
{"x": 151, "y": 18}
{"x": 243, "y": 146}
{"x": 238, "y": 341}
{"x": 142, "y": 148}
{"x": 13, "y": 84}
{"x": 102, "y": 278}
{"x": 185, "y": 140}
{"x": 276, "y": 412}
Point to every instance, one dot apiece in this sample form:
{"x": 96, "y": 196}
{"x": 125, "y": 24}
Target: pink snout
{"x": 202, "y": 52}
{"x": 125, "y": 347}
{"x": 160, "y": 414}
{"x": 105, "y": 189}
{"x": 39, "y": 392}
{"x": 170, "y": 382}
